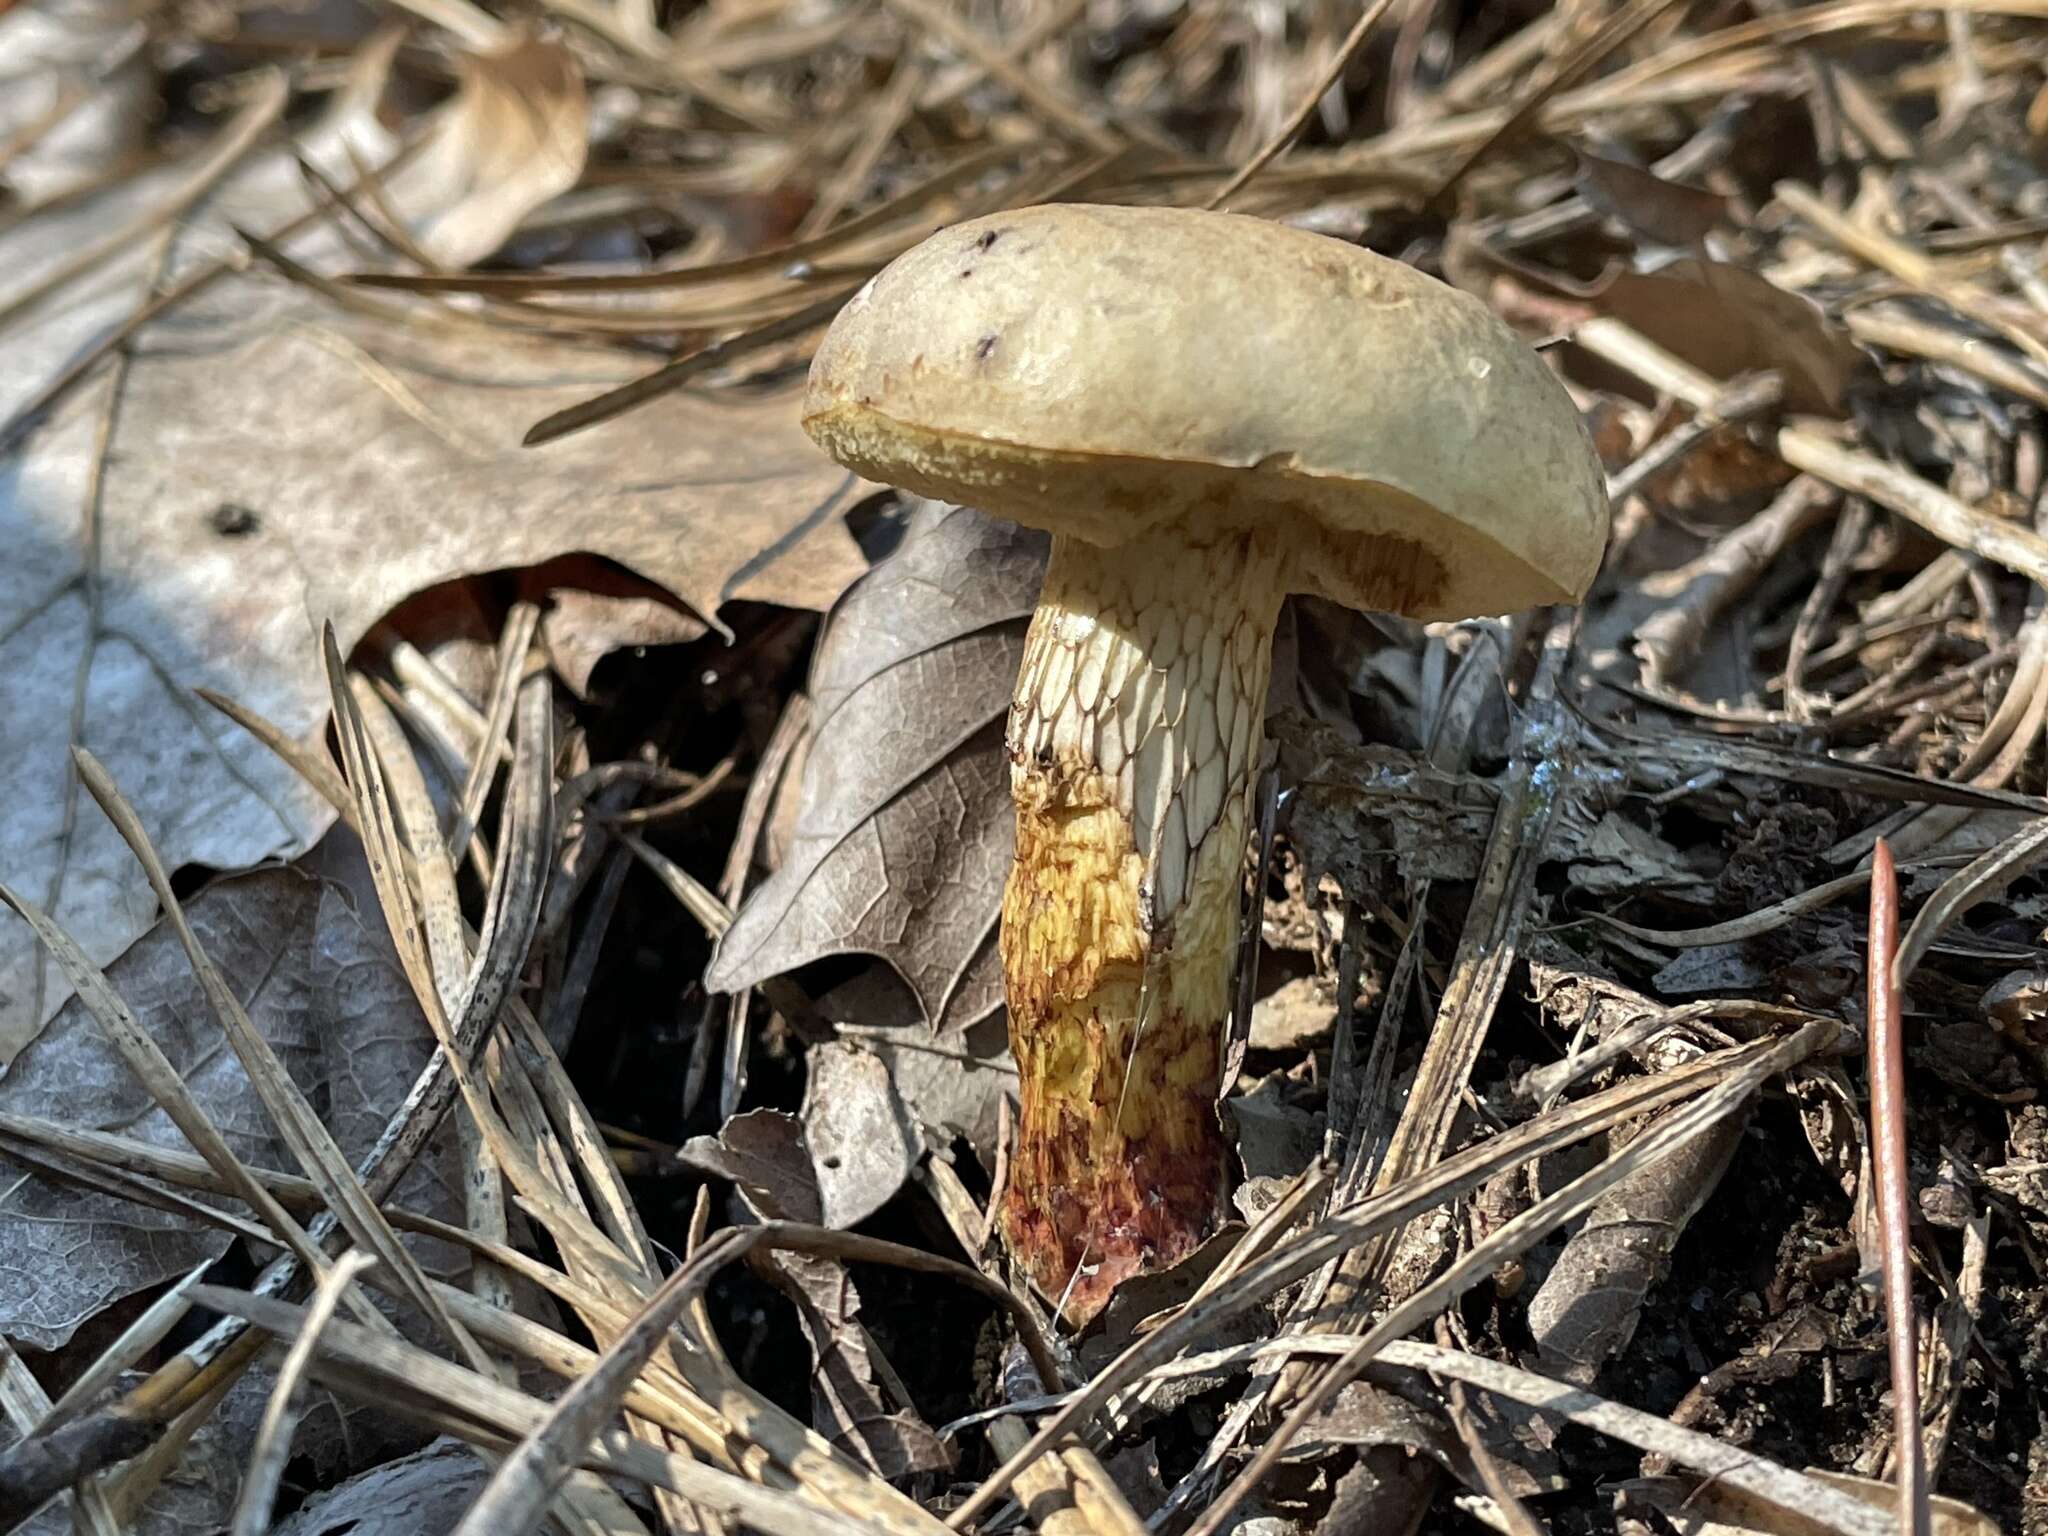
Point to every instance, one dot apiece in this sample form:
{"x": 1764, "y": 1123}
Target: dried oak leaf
{"x": 1707, "y": 1507}
{"x": 1659, "y": 210}
{"x": 429, "y": 1490}
{"x": 1726, "y": 320}
{"x": 514, "y": 134}
{"x": 306, "y": 951}
{"x": 846, "y": 1155}
{"x": 1723, "y": 319}
{"x": 275, "y": 462}
{"x": 904, "y": 834}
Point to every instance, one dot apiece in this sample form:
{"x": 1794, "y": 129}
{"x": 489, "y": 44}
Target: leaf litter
{"x": 1555, "y": 1202}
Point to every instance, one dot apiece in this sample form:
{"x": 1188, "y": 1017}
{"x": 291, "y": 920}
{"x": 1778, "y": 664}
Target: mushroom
{"x": 1207, "y": 412}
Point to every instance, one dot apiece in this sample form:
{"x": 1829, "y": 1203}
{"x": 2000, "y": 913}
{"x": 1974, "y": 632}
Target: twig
{"x": 1948, "y": 519}
{"x": 1894, "y": 1192}
{"x": 274, "y": 1437}
{"x": 1742, "y": 399}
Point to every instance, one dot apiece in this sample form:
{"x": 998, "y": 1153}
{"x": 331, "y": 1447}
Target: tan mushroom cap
{"x": 1100, "y": 371}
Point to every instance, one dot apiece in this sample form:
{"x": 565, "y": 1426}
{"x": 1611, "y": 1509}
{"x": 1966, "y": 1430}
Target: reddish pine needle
{"x": 1894, "y": 1190}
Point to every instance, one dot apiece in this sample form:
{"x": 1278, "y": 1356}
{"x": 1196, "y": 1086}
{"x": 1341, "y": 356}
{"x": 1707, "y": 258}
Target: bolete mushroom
{"x": 1207, "y": 412}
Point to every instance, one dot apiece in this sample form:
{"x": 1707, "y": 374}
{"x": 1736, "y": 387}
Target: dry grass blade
{"x": 309, "y": 1139}
{"x": 1289, "y": 131}
{"x": 489, "y": 1413}
{"x": 516, "y": 1500}
{"x": 527, "y": 820}
{"x": 433, "y": 865}
{"x": 274, "y": 1438}
{"x": 1715, "y": 1460}
{"x": 156, "y": 1074}
{"x": 513, "y": 910}
{"x": 894, "y": 219}
{"x": 544, "y": 1198}
{"x": 1513, "y": 1239}
{"x": 513, "y": 645}
{"x": 1985, "y": 877}
{"x": 136, "y": 1340}
{"x": 1348, "y": 1226}
{"x": 316, "y": 768}
{"x": 1738, "y": 929}
{"x": 1615, "y": 33}
{"x": 258, "y": 116}
{"x": 695, "y": 898}
{"x": 800, "y": 1237}
{"x": 617, "y": 402}
{"x": 37, "y": 1467}
{"x": 1049, "y": 99}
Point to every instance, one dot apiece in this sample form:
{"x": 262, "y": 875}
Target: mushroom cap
{"x": 1106, "y": 372}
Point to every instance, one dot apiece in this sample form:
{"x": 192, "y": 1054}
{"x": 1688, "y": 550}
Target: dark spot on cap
{"x": 967, "y": 272}
{"x": 231, "y": 520}
{"x": 986, "y": 345}
{"x": 987, "y": 238}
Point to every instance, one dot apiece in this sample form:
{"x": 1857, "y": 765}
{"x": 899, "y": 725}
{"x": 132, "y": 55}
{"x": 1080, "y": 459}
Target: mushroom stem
{"x": 1133, "y": 736}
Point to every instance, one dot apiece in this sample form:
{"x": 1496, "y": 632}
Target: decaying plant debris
{"x": 433, "y": 662}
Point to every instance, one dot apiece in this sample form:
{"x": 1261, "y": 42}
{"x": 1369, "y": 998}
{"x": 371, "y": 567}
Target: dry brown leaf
{"x": 792, "y": 1170}
{"x": 74, "y": 74}
{"x": 514, "y": 135}
{"x": 862, "y": 1143}
{"x": 1728, "y": 321}
{"x": 304, "y": 951}
{"x": 1365, "y": 814}
{"x": 275, "y": 464}
{"x": 1662, "y": 211}
{"x": 952, "y": 1083}
{"x": 904, "y": 836}
{"x": 1292, "y": 1017}
{"x": 1723, "y": 319}
{"x": 1586, "y": 1310}
{"x": 1714, "y": 1509}
{"x": 426, "y": 1491}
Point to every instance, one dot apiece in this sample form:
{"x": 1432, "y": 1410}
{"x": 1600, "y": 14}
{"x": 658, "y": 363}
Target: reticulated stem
{"x": 1133, "y": 738}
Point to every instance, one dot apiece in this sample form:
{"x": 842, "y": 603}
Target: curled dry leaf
{"x": 1364, "y": 814}
{"x": 77, "y": 92}
{"x": 1588, "y": 1306}
{"x": 837, "y": 1163}
{"x": 1728, "y": 321}
{"x": 305, "y": 951}
{"x": 1711, "y": 1508}
{"x": 274, "y": 462}
{"x": 814, "y": 1169}
{"x": 1723, "y": 319}
{"x": 426, "y": 1491}
{"x": 514, "y": 135}
{"x": 1662, "y": 211}
{"x": 904, "y": 836}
